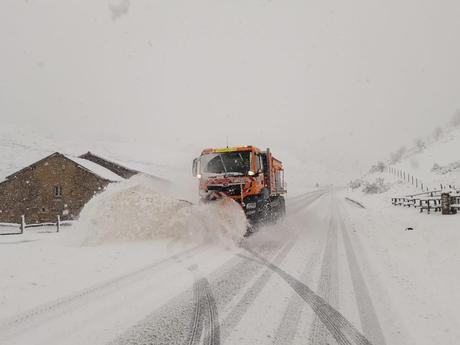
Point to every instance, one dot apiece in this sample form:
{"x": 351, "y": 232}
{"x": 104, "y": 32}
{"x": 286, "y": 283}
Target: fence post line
{"x": 58, "y": 224}
{"x": 23, "y": 223}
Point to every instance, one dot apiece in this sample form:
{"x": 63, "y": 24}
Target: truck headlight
{"x": 251, "y": 205}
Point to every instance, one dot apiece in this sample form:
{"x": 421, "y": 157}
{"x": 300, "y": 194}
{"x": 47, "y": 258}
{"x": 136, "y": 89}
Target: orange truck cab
{"x": 251, "y": 177}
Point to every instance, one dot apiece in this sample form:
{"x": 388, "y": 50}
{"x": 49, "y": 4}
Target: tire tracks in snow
{"x": 328, "y": 287}
{"x": 239, "y": 310}
{"x": 299, "y": 203}
{"x": 368, "y": 316}
{"x": 42, "y": 313}
{"x": 192, "y": 317}
{"x": 287, "y": 329}
{"x": 205, "y": 310}
{"x": 213, "y": 335}
{"x": 343, "y": 331}
{"x": 197, "y": 322}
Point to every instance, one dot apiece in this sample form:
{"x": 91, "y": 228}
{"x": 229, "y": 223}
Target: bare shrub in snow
{"x": 438, "y": 133}
{"x": 452, "y": 167}
{"x": 377, "y": 187}
{"x": 455, "y": 121}
{"x": 396, "y": 156}
{"x": 436, "y": 167}
{"x": 378, "y": 168}
{"x": 420, "y": 144}
{"x": 355, "y": 184}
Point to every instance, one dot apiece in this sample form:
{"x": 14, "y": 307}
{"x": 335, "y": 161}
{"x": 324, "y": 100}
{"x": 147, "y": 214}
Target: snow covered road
{"x": 297, "y": 282}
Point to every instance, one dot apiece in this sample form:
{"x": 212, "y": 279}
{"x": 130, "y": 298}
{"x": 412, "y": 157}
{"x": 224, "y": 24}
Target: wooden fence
{"x": 23, "y": 226}
{"x": 445, "y": 201}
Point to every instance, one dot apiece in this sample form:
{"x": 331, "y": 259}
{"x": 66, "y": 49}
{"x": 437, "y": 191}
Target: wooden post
{"x": 58, "y": 223}
{"x": 23, "y": 223}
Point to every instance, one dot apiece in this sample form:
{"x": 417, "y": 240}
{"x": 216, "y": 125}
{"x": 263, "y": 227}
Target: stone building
{"x": 56, "y": 185}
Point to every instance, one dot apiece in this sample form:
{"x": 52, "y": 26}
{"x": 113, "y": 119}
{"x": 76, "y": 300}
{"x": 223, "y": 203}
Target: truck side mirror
{"x": 195, "y": 167}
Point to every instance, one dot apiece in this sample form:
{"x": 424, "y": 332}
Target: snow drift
{"x": 138, "y": 209}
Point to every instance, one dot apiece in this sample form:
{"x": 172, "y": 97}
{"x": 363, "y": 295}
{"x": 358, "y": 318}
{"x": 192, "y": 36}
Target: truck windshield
{"x": 226, "y": 163}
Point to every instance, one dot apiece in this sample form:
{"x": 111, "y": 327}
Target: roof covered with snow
{"x": 96, "y": 169}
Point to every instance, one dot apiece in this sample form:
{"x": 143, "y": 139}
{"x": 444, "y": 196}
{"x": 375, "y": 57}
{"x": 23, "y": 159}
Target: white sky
{"x": 340, "y": 82}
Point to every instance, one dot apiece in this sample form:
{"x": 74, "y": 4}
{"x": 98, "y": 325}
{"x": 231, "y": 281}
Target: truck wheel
{"x": 263, "y": 213}
{"x": 279, "y": 208}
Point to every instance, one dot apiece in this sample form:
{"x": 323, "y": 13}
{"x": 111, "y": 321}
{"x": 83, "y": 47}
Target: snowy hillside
{"x": 435, "y": 162}
{"x": 438, "y": 163}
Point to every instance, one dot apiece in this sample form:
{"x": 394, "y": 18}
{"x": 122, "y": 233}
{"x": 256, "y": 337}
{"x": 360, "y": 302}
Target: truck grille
{"x": 230, "y": 190}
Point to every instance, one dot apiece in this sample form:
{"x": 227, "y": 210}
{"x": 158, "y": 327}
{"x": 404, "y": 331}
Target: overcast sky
{"x": 340, "y": 82}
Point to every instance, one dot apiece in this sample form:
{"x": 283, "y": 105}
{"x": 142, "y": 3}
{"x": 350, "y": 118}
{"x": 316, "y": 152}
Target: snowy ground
{"x": 330, "y": 273}
{"x": 418, "y": 267}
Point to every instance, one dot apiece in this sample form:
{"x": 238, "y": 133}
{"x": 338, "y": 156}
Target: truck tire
{"x": 278, "y": 208}
{"x": 265, "y": 212}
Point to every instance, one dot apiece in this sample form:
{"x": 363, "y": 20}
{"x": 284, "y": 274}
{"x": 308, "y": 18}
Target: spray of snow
{"x": 137, "y": 209}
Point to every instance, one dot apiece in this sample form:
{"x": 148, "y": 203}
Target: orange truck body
{"x": 251, "y": 177}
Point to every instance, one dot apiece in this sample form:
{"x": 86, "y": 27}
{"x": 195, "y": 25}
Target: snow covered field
{"x": 388, "y": 285}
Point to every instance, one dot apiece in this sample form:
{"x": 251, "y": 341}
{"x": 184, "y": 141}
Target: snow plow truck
{"x": 251, "y": 177}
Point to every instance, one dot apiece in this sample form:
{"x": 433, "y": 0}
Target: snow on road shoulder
{"x": 137, "y": 209}
{"x": 417, "y": 267}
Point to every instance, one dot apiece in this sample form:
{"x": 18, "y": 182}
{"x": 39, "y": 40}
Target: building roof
{"x": 96, "y": 169}
{"x": 112, "y": 165}
{"x": 84, "y": 164}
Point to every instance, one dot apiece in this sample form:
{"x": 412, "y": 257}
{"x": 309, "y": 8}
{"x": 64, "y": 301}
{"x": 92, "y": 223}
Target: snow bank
{"x": 137, "y": 209}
